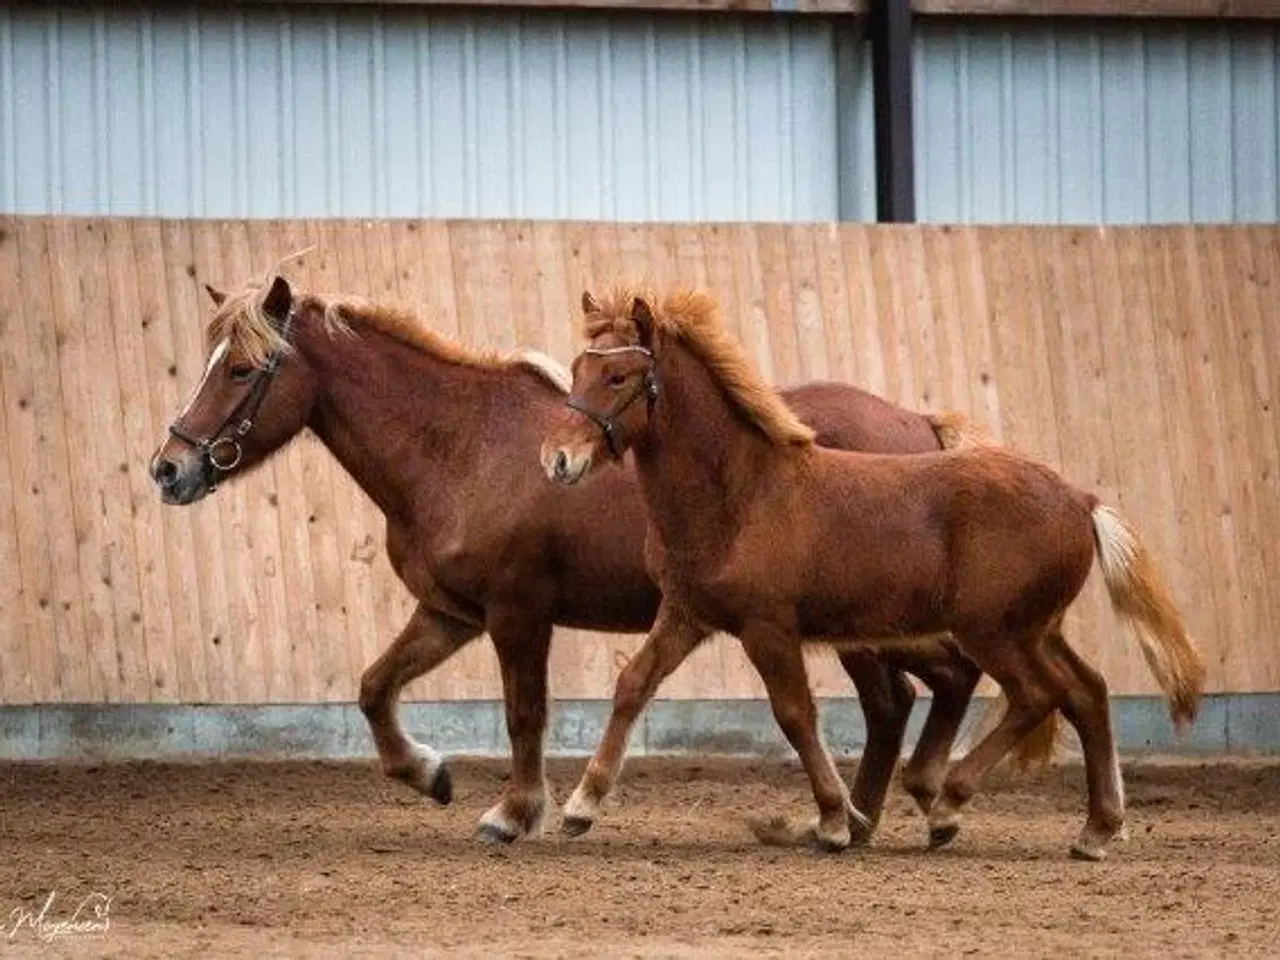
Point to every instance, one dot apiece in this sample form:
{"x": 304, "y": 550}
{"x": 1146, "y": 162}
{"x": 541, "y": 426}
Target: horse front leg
{"x": 523, "y": 643}
{"x": 427, "y": 640}
{"x": 671, "y": 640}
{"x": 779, "y": 660}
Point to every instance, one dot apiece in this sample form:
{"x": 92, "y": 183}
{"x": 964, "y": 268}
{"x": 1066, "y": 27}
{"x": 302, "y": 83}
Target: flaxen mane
{"x": 692, "y": 318}
{"x": 242, "y": 321}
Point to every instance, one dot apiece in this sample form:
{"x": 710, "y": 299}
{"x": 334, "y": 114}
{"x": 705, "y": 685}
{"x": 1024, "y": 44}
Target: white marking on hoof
{"x": 833, "y": 838}
{"x": 579, "y": 813}
{"x": 420, "y": 771}
{"x": 497, "y": 827}
{"x": 1087, "y": 849}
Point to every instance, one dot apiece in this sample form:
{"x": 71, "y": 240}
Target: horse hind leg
{"x": 886, "y": 697}
{"x": 1086, "y": 707}
{"x": 952, "y": 684}
{"x": 1011, "y": 662}
{"x": 427, "y": 640}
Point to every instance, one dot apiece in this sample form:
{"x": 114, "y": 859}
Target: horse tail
{"x": 955, "y": 431}
{"x": 1140, "y": 598}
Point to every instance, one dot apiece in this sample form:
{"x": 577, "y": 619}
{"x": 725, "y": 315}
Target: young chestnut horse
{"x": 766, "y": 536}
{"x": 440, "y": 438}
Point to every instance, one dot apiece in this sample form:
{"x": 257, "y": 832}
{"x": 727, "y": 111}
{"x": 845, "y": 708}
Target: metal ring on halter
{"x": 212, "y": 453}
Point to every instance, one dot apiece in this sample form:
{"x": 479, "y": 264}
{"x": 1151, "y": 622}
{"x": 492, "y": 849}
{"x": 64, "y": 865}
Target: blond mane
{"x": 693, "y": 318}
{"x": 242, "y": 321}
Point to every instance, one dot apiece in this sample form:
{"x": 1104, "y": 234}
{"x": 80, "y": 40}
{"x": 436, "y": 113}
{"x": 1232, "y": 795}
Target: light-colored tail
{"x": 955, "y": 431}
{"x": 1139, "y": 596}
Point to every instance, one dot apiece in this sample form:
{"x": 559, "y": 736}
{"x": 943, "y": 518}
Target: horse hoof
{"x": 939, "y": 837}
{"x": 492, "y": 833}
{"x": 442, "y": 787}
{"x": 831, "y": 844}
{"x": 1087, "y": 852}
{"x": 575, "y": 826}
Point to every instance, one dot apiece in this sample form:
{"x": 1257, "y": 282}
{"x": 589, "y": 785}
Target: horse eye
{"x": 241, "y": 372}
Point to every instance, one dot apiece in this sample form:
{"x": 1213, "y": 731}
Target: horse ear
{"x": 279, "y": 300}
{"x": 589, "y": 305}
{"x": 642, "y": 317}
{"x": 216, "y": 295}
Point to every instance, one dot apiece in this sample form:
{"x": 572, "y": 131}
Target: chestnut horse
{"x": 442, "y": 438}
{"x": 756, "y": 531}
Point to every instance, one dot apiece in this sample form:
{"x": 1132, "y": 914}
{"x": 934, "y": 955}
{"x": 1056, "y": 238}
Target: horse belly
{"x": 883, "y": 606}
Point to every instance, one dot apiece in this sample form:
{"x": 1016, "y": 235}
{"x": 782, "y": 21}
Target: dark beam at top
{"x": 890, "y": 35}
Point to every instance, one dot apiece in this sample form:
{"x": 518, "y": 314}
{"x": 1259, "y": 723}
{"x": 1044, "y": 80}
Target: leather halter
{"x": 648, "y": 388}
{"x": 242, "y": 416}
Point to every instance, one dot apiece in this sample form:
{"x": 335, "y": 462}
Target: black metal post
{"x": 890, "y": 32}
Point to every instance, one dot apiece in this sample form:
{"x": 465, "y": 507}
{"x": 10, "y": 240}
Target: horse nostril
{"x": 166, "y": 473}
{"x": 562, "y": 464}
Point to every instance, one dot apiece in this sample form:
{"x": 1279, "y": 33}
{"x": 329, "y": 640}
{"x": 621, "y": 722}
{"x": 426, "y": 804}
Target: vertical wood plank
{"x": 24, "y": 550}
{"x": 939, "y": 256}
{"x": 890, "y": 336}
{"x": 869, "y": 367}
{"x": 149, "y": 653}
{"x": 975, "y": 317}
{"x": 482, "y": 281}
{"x": 1251, "y": 253}
{"x": 95, "y": 647}
{"x": 778, "y": 299}
{"x": 918, "y": 341}
{"x": 806, "y": 310}
{"x": 523, "y": 297}
{"x": 127, "y": 675}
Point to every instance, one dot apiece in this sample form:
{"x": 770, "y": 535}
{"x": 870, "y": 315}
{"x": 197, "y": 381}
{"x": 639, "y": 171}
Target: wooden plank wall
{"x": 1145, "y": 362}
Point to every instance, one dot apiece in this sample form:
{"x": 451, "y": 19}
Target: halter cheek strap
{"x": 222, "y": 450}
{"x": 648, "y": 388}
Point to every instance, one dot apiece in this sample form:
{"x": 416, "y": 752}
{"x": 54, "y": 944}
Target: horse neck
{"x": 699, "y": 463}
{"x": 398, "y": 419}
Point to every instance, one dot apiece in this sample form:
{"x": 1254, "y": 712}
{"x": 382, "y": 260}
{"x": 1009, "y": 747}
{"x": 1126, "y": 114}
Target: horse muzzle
{"x": 181, "y": 482}
{"x": 564, "y": 466}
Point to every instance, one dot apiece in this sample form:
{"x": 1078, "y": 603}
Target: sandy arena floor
{"x": 318, "y": 859}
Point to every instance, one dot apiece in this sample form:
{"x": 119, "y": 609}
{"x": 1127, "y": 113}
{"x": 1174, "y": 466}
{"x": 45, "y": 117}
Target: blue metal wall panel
{"x": 1050, "y": 121}
{"x": 326, "y": 111}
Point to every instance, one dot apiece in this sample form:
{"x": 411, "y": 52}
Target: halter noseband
{"x": 605, "y": 421}
{"x": 243, "y": 414}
